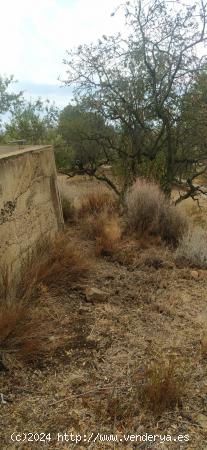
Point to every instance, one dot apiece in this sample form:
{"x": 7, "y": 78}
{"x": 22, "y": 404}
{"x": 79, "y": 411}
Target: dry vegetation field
{"x": 108, "y": 333}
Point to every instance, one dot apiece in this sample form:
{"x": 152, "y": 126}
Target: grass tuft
{"x": 163, "y": 387}
{"x": 24, "y": 333}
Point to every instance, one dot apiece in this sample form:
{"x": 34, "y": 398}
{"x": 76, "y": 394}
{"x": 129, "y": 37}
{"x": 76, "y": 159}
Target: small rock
{"x": 96, "y": 295}
{"x": 194, "y": 274}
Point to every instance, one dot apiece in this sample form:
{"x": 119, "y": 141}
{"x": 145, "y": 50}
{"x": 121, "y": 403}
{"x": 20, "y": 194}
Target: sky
{"x": 35, "y": 34}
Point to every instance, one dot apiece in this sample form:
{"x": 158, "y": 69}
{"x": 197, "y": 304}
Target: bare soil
{"x": 154, "y": 310}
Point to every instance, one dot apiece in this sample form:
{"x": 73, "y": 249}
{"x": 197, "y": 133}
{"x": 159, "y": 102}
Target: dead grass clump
{"x": 24, "y": 333}
{"x": 67, "y": 208}
{"x": 163, "y": 386}
{"x": 97, "y": 202}
{"x": 56, "y": 262}
{"x": 149, "y": 211}
{"x": 63, "y": 264}
{"x": 93, "y": 226}
{"x": 105, "y": 230}
{"x": 192, "y": 248}
{"x": 107, "y": 240}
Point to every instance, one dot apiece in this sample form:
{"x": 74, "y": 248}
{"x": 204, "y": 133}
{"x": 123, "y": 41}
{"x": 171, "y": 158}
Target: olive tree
{"x": 35, "y": 121}
{"x": 138, "y": 81}
{"x": 86, "y": 143}
{"x": 8, "y": 100}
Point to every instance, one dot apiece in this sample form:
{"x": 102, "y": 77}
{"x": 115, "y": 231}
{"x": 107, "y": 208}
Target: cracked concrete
{"x": 30, "y": 208}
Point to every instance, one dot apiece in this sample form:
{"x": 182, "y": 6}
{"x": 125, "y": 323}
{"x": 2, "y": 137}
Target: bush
{"x": 192, "y": 248}
{"x": 150, "y": 212}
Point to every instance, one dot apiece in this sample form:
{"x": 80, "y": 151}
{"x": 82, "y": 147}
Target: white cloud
{"x": 35, "y": 34}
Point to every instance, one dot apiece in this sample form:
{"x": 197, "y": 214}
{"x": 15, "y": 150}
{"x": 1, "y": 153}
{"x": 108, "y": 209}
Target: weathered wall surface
{"x": 30, "y": 208}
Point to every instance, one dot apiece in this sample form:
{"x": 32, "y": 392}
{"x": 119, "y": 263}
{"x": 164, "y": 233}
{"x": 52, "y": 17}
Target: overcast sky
{"x": 35, "y": 34}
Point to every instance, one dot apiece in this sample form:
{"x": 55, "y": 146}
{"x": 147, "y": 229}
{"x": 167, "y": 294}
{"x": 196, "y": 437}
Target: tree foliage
{"x": 8, "y": 100}
{"x": 141, "y": 83}
{"x": 84, "y": 132}
{"x": 86, "y": 142}
{"x": 34, "y": 121}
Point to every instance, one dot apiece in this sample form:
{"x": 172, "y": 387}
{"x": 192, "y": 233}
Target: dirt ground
{"x": 153, "y": 309}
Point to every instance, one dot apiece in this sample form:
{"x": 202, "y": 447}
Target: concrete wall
{"x": 30, "y": 207}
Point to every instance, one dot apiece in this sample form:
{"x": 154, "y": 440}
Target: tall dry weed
{"x": 192, "y": 248}
{"x": 149, "y": 211}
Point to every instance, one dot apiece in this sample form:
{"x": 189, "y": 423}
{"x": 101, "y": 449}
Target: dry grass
{"x": 197, "y": 215}
{"x": 115, "y": 407}
{"x": 54, "y": 263}
{"x": 25, "y": 333}
{"x": 163, "y": 386}
{"x": 126, "y": 252}
{"x": 204, "y": 346}
{"x": 147, "y": 251}
{"x": 144, "y": 204}
{"x": 10, "y": 314}
{"x": 150, "y": 212}
{"x": 158, "y": 387}
{"x": 64, "y": 264}
{"x": 105, "y": 230}
{"x": 108, "y": 238}
{"x": 5, "y": 283}
{"x": 26, "y": 325}
{"x": 192, "y": 248}
{"x": 67, "y": 208}
{"x": 89, "y": 381}
{"x": 97, "y": 202}
{"x": 173, "y": 224}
